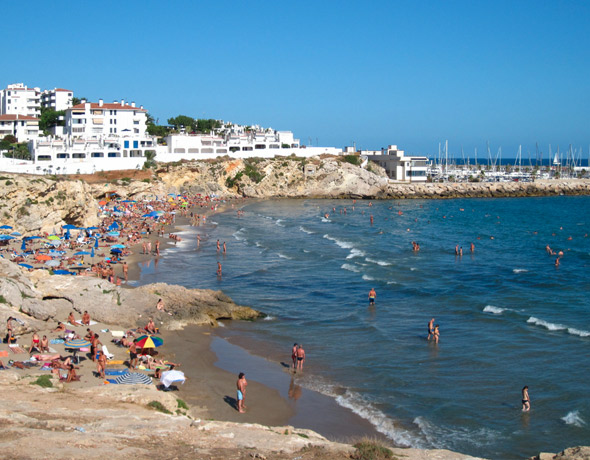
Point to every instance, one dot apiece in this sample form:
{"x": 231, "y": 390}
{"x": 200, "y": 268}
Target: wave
{"x": 356, "y": 403}
{"x": 446, "y": 437}
{"x": 558, "y": 327}
{"x": 519, "y": 270}
{"x": 378, "y": 262}
{"x": 355, "y": 253}
{"x": 413, "y": 269}
{"x": 269, "y": 318}
{"x": 350, "y": 268}
{"x": 325, "y": 220}
{"x": 283, "y": 256}
{"x": 279, "y": 223}
{"x": 304, "y": 230}
{"x": 239, "y": 234}
{"x": 494, "y": 310}
{"x": 573, "y": 418}
{"x": 368, "y": 278}
{"x": 342, "y": 244}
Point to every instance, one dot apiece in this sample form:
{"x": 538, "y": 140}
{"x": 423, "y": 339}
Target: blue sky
{"x": 410, "y": 73}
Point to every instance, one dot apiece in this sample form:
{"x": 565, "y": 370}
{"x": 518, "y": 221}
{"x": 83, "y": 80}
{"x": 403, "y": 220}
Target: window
{"x": 97, "y": 155}
{"x": 126, "y": 144}
{"x": 135, "y": 144}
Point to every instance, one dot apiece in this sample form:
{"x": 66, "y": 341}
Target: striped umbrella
{"x": 149, "y": 341}
{"x": 77, "y": 343}
{"x": 134, "y": 378}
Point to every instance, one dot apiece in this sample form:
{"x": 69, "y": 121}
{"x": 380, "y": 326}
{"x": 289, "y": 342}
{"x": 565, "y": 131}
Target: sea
{"x": 508, "y": 316}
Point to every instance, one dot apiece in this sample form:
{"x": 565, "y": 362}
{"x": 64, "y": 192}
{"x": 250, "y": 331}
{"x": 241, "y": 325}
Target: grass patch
{"x": 43, "y": 381}
{"x": 372, "y": 449}
{"x": 157, "y": 405}
{"x": 181, "y": 404}
{"x": 3, "y": 299}
{"x": 107, "y": 291}
{"x": 303, "y": 435}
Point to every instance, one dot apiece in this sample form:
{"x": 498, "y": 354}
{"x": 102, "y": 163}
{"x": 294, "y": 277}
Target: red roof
{"x": 113, "y": 106}
{"x": 14, "y": 117}
{"x": 64, "y": 90}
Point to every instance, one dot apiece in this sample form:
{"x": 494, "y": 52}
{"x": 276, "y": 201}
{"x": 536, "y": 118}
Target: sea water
{"x": 508, "y": 316}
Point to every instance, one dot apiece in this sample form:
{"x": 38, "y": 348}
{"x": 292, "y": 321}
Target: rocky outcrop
{"x": 34, "y": 204}
{"x": 573, "y": 453}
{"x": 37, "y": 297}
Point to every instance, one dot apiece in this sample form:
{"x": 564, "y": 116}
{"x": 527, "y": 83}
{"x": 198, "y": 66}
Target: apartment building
{"x": 57, "y": 99}
{"x": 93, "y": 120}
{"x": 23, "y": 127}
{"x": 20, "y": 99}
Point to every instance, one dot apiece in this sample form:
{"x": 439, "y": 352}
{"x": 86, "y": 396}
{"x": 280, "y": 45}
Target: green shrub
{"x": 157, "y": 405}
{"x": 181, "y": 404}
{"x": 371, "y": 449}
{"x": 352, "y": 159}
{"x": 8, "y": 182}
{"x": 2, "y": 299}
{"x": 43, "y": 381}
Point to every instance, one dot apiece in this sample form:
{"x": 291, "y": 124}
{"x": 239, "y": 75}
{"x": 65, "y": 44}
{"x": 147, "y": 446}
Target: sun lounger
{"x": 106, "y": 352}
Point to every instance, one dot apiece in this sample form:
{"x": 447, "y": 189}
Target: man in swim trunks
{"x": 430, "y": 329}
{"x": 132, "y": 355}
{"x": 241, "y": 393}
{"x": 300, "y": 357}
{"x": 372, "y": 296}
{"x": 526, "y": 402}
{"x": 294, "y": 355}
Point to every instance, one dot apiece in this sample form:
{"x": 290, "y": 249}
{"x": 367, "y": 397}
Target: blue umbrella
{"x": 6, "y": 227}
{"x": 116, "y": 251}
{"x": 23, "y": 246}
{"x": 92, "y": 253}
{"x": 26, "y": 265}
{"x": 67, "y": 235}
{"x": 96, "y": 243}
{"x": 113, "y": 233}
{"x": 91, "y": 228}
{"x": 32, "y": 238}
{"x": 82, "y": 253}
{"x": 118, "y": 246}
{"x": 16, "y": 234}
{"x": 6, "y": 237}
{"x": 70, "y": 227}
{"x": 61, "y": 272}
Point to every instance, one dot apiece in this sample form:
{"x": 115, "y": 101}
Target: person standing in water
{"x": 526, "y": 401}
{"x": 372, "y": 296}
{"x": 430, "y": 329}
{"x": 436, "y": 334}
{"x": 294, "y": 355}
{"x": 300, "y": 357}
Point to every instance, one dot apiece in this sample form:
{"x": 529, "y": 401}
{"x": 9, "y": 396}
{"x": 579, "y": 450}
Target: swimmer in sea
{"x": 218, "y": 269}
{"x": 472, "y": 248}
{"x": 430, "y": 329}
{"x": 436, "y": 334}
{"x": 372, "y": 296}
{"x": 526, "y": 401}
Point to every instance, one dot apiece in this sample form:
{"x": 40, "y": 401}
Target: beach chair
{"x": 106, "y": 352}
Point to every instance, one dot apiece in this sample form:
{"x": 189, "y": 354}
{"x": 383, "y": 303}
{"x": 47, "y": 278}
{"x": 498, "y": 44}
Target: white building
{"x": 93, "y": 120}
{"x": 57, "y": 99}
{"x": 399, "y": 167}
{"x": 18, "y": 99}
{"x": 23, "y": 127}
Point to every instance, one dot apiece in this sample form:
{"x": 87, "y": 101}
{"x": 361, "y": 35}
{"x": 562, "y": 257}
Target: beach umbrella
{"x": 149, "y": 341}
{"x": 6, "y": 237}
{"x": 26, "y": 265}
{"x": 77, "y": 343}
{"x": 113, "y": 233}
{"x": 53, "y": 237}
{"x": 42, "y": 257}
{"x": 62, "y": 272}
{"x": 91, "y": 228}
{"x": 70, "y": 227}
{"x": 118, "y": 246}
{"x": 116, "y": 251}
{"x": 52, "y": 263}
{"x": 23, "y": 246}
{"x": 96, "y": 243}
{"x": 170, "y": 377}
{"x": 92, "y": 253}
{"x": 134, "y": 378}
{"x": 82, "y": 253}
{"x": 27, "y": 238}
{"x": 67, "y": 235}
{"x": 16, "y": 234}
{"x": 102, "y": 203}
{"x": 6, "y": 227}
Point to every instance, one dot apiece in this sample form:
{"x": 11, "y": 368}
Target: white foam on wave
{"x": 368, "y": 278}
{"x": 350, "y": 268}
{"x": 573, "y": 418}
{"x": 279, "y": 223}
{"x": 446, "y": 437}
{"x": 546, "y": 324}
{"x": 325, "y": 220}
{"x": 304, "y": 230}
{"x": 519, "y": 270}
{"x": 378, "y": 262}
{"x": 342, "y": 244}
{"x": 283, "y": 256}
{"x": 355, "y": 253}
{"x": 413, "y": 269}
{"x": 558, "y": 327}
{"x": 494, "y": 310}
{"x": 392, "y": 282}
{"x": 239, "y": 234}
{"x": 258, "y": 244}
{"x": 269, "y": 318}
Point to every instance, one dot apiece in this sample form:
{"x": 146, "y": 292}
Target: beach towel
{"x": 117, "y": 333}
{"x": 17, "y": 349}
{"x": 114, "y": 362}
{"x": 4, "y": 354}
{"x": 56, "y": 341}
{"x": 116, "y": 371}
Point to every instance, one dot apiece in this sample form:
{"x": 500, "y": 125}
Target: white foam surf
{"x": 304, "y": 230}
{"x": 368, "y": 278}
{"x": 447, "y": 436}
{"x": 519, "y": 270}
{"x": 355, "y": 253}
{"x": 283, "y": 256}
{"x": 378, "y": 262}
{"x": 239, "y": 234}
{"x": 573, "y": 418}
{"x": 558, "y": 327}
{"x": 342, "y": 244}
{"x": 350, "y": 268}
{"x": 279, "y": 223}
{"x": 494, "y": 310}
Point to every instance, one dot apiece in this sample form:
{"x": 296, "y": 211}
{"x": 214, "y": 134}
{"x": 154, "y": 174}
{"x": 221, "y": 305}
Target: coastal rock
{"x": 573, "y": 453}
